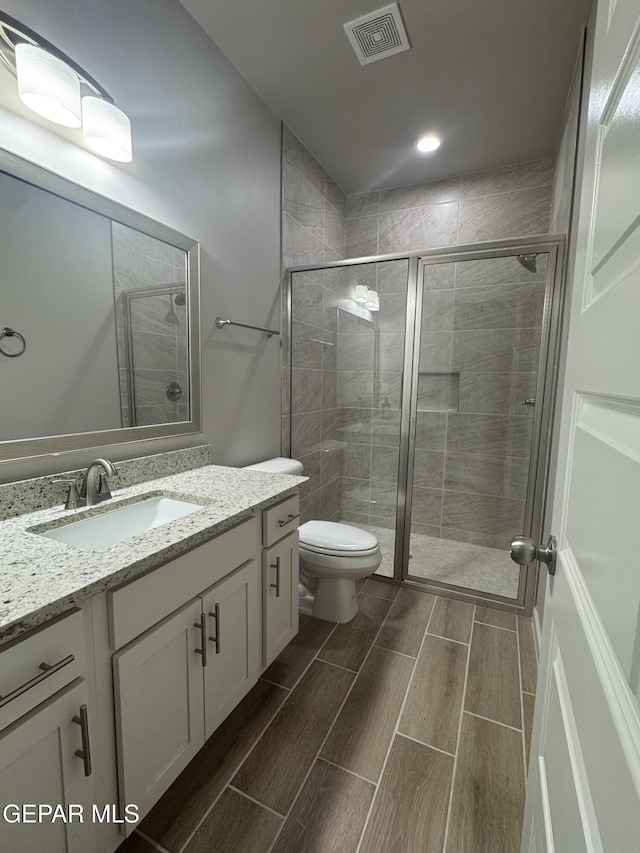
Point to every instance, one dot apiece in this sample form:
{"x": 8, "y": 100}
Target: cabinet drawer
{"x": 34, "y": 667}
{"x": 139, "y": 604}
{"x": 279, "y": 520}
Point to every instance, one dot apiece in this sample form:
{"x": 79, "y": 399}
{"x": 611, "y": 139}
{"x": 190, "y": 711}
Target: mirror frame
{"x": 16, "y": 449}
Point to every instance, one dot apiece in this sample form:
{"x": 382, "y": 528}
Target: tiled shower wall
{"x": 347, "y": 463}
{"x": 158, "y": 326}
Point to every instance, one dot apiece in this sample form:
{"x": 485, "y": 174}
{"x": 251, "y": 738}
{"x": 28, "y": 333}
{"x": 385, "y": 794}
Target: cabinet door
{"x": 39, "y": 765}
{"x": 280, "y": 596}
{"x": 232, "y": 613}
{"x": 159, "y": 706}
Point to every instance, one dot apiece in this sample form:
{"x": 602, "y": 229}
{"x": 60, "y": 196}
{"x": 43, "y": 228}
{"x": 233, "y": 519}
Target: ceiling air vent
{"x": 378, "y": 34}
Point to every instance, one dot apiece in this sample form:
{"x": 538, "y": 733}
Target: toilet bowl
{"x": 333, "y": 556}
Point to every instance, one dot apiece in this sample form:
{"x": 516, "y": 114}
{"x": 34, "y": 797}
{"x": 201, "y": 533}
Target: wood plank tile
{"x": 451, "y": 619}
{"x": 528, "y": 660}
{"x": 329, "y": 814}
{"x": 406, "y": 623}
{"x": 349, "y": 643}
{"x": 498, "y": 618}
{"x": 235, "y": 823}
{"x": 274, "y": 771}
{"x": 493, "y": 685}
{"x": 173, "y": 818}
{"x": 136, "y": 844}
{"x": 432, "y": 710}
{"x": 380, "y": 588}
{"x": 488, "y": 791}
{"x": 528, "y": 703}
{"x": 362, "y": 733}
{"x": 410, "y": 811}
{"x": 296, "y": 657}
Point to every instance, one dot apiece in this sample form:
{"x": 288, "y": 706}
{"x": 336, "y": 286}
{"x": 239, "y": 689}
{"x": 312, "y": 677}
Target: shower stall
{"x": 419, "y": 401}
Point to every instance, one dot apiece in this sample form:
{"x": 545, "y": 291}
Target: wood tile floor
{"x": 406, "y": 730}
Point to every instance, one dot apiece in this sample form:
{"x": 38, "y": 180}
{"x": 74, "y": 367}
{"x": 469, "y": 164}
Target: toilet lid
{"x": 331, "y": 537}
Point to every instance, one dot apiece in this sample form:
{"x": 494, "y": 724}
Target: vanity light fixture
{"x": 57, "y": 88}
{"x": 361, "y": 294}
{"x": 428, "y": 143}
{"x": 373, "y": 301}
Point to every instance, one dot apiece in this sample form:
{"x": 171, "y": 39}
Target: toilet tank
{"x": 278, "y": 465}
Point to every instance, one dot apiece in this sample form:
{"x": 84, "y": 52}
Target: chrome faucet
{"x": 96, "y": 489}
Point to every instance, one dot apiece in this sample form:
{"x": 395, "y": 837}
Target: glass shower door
{"x": 474, "y": 390}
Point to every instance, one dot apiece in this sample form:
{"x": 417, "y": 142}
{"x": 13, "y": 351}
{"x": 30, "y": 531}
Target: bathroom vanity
{"x": 118, "y": 664}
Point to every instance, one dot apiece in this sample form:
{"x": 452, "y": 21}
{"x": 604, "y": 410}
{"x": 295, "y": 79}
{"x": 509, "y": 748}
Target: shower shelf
{"x": 438, "y": 391}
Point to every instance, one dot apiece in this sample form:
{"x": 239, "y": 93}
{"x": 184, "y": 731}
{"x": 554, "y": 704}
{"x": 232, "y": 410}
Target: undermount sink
{"x": 103, "y": 531}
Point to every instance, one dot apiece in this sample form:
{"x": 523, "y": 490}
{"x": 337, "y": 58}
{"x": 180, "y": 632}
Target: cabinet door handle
{"x": 288, "y": 519}
{"x": 216, "y": 638}
{"x": 276, "y": 585}
{"x": 85, "y": 752}
{"x": 203, "y": 634}
{"x": 48, "y": 670}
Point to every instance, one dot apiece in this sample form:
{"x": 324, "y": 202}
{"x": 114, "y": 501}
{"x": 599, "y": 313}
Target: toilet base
{"x": 334, "y": 600}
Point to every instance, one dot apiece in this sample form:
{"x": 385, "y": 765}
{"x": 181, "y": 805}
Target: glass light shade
{"x": 373, "y": 301}
{"x": 47, "y": 85}
{"x": 428, "y": 143}
{"x": 361, "y": 293}
{"x": 106, "y": 129}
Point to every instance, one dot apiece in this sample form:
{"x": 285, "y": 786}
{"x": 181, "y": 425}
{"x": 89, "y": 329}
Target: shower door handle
{"x": 530, "y": 401}
{"x": 524, "y": 551}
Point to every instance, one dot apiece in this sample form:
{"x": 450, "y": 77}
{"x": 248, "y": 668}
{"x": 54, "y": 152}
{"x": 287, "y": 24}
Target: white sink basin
{"x": 103, "y": 531}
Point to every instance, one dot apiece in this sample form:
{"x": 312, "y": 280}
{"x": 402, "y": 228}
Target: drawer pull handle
{"x": 85, "y": 752}
{"x": 203, "y": 633}
{"x": 216, "y": 638}
{"x": 276, "y": 585}
{"x": 48, "y": 670}
{"x": 288, "y": 519}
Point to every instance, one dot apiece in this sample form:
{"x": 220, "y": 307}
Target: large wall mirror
{"x": 99, "y": 319}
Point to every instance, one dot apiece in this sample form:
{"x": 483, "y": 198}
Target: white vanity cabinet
{"x": 175, "y": 684}
{"x": 280, "y": 577}
{"x": 39, "y": 764}
{"x": 46, "y": 726}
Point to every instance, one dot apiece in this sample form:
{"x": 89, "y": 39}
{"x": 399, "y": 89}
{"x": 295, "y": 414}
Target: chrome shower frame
{"x": 554, "y": 247}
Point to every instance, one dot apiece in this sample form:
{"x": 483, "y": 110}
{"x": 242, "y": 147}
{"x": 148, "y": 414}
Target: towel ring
{"x": 11, "y": 333}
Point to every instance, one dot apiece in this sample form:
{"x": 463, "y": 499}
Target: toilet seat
{"x": 335, "y": 539}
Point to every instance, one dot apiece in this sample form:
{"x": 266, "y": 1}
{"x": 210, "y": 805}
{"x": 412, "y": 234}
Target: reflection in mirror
{"x": 108, "y": 314}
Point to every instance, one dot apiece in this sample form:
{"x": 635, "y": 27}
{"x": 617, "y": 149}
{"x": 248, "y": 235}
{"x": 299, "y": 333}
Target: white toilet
{"x": 333, "y": 556}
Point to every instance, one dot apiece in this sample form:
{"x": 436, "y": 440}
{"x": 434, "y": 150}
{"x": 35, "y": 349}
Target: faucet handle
{"x": 104, "y": 492}
{"x": 73, "y": 500}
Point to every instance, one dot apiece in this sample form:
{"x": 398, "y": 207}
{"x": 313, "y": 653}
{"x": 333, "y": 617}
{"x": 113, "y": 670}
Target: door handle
{"x": 203, "y": 633}
{"x": 276, "y": 585}
{"x": 216, "y": 638}
{"x": 85, "y": 752}
{"x": 530, "y": 401}
{"x": 525, "y": 551}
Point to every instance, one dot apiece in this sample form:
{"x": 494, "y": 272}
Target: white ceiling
{"x": 490, "y": 77}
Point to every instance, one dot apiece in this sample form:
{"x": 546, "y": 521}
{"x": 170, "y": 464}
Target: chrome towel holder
{"x": 220, "y": 323}
{"x": 7, "y": 332}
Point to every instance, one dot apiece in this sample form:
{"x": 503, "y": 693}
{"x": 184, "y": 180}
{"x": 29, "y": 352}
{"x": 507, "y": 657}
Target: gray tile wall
{"x": 347, "y": 373}
{"x": 160, "y": 353}
{"x": 313, "y": 232}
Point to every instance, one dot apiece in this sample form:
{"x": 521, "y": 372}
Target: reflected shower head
{"x": 528, "y": 262}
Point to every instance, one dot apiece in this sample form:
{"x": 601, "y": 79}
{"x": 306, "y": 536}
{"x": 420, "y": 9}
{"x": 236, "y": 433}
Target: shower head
{"x": 180, "y": 298}
{"x": 528, "y": 262}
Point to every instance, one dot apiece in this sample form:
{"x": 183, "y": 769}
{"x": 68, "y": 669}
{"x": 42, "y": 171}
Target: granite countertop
{"x": 42, "y": 578}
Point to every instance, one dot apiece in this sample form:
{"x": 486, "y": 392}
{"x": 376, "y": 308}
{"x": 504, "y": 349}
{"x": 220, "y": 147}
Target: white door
{"x": 39, "y": 765}
{"x": 231, "y": 611}
{"x": 584, "y": 773}
{"x": 159, "y": 706}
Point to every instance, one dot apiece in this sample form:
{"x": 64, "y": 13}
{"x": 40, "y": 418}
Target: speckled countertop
{"x": 41, "y": 578}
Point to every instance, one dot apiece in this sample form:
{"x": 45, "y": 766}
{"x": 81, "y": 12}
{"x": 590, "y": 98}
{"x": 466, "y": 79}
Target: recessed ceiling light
{"x": 428, "y": 143}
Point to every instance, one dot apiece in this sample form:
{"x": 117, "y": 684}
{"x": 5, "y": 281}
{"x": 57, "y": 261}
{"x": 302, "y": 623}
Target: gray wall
{"x": 207, "y": 163}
